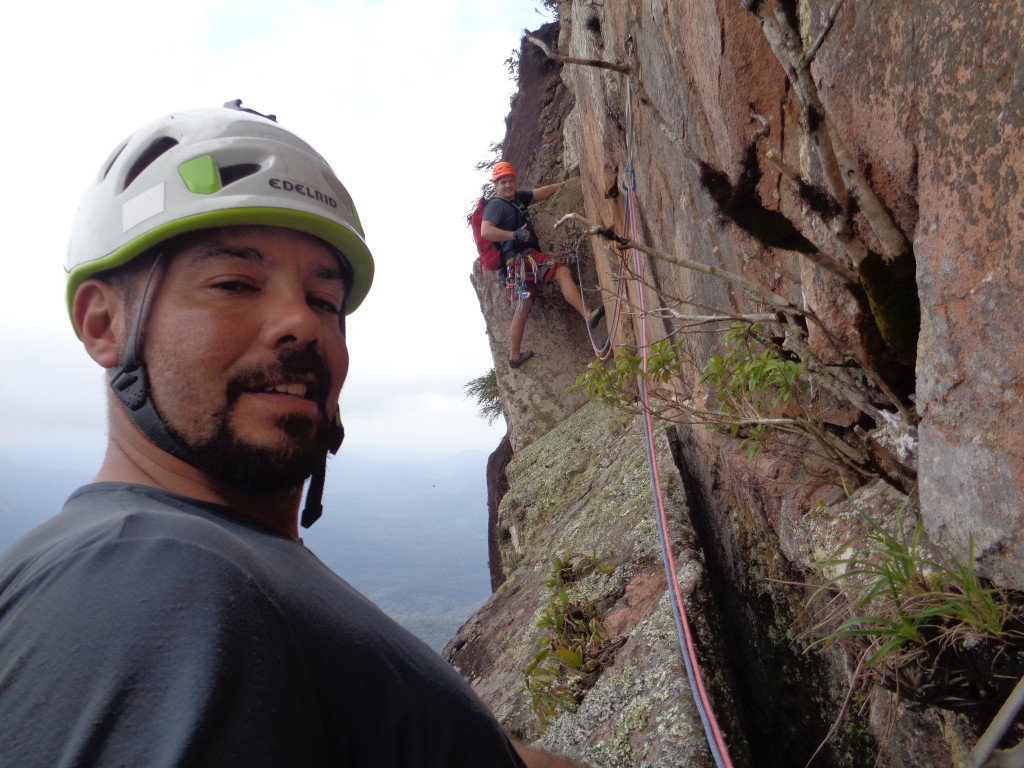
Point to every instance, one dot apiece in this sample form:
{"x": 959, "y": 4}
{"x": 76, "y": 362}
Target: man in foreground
{"x": 170, "y": 615}
{"x": 506, "y": 222}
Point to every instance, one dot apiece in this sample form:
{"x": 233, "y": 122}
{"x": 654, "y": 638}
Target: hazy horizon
{"x": 417, "y": 548}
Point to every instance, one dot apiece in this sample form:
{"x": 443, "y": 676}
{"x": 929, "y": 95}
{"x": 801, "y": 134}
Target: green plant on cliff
{"x": 484, "y": 389}
{"x": 751, "y": 379}
{"x": 927, "y": 625}
{"x": 617, "y": 385}
{"x": 749, "y": 374}
{"x": 574, "y": 645}
{"x": 550, "y": 8}
{"x": 755, "y": 395}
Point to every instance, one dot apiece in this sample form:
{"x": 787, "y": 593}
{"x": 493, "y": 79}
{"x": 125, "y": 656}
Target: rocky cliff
{"x": 826, "y": 204}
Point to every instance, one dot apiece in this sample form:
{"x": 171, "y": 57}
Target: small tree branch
{"x": 634, "y": 80}
{"x": 794, "y": 341}
{"x": 855, "y": 249}
{"x": 785, "y": 44}
{"x": 598, "y": 63}
{"x": 704, "y": 319}
{"x": 986, "y": 745}
{"x": 768, "y": 297}
{"x": 894, "y": 244}
{"x": 848, "y": 388}
{"x": 813, "y": 50}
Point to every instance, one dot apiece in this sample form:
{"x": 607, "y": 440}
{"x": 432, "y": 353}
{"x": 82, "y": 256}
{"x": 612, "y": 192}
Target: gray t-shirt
{"x": 141, "y": 628}
{"x": 505, "y": 214}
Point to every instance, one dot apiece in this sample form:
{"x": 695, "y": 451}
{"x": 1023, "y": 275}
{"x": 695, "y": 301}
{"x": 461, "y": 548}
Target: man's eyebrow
{"x": 248, "y": 253}
{"x": 333, "y": 274}
{"x": 217, "y": 251}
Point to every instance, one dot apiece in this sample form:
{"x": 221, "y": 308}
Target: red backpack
{"x": 490, "y": 255}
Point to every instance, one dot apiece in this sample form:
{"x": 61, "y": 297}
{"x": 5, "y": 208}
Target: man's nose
{"x": 290, "y": 320}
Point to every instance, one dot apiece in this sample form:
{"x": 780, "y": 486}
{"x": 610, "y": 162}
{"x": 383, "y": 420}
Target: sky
{"x": 403, "y": 98}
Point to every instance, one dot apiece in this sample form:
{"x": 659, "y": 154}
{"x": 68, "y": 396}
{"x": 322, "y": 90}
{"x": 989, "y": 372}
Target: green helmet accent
{"x": 201, "y": 175}
{"x": 210, "y": 168}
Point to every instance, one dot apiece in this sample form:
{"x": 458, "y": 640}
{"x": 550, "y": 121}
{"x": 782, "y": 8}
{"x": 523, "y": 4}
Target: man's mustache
{"x": 305, "y": 365}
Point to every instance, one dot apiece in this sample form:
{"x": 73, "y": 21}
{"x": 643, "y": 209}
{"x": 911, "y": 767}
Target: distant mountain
{"x": 409, "y": 535}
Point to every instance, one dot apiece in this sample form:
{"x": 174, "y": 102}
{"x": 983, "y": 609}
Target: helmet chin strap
{"x": 130, "y": 383}
{"x": 314, "y": 507}
{"x": 315, "y": 493}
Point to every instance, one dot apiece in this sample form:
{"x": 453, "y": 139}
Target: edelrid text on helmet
{"x": 302, "y": 189}
{"x": 209, "y": 168}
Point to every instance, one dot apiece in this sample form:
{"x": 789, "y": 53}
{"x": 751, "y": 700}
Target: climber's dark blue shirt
{"x": 504, "y": 215}
{"x": 141, "y": 628}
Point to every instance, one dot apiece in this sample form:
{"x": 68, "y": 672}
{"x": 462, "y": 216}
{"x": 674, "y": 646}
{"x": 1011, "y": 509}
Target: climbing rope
{"x": 716, "y": 742}
{"x": 713, "y": 733}
{"x": 517, "y": 283}
{"x": 605, "y": 350}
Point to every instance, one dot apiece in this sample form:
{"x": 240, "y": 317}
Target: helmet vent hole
{"x": 152, "y": 152}
{"x": 113, "y": 159}
{"x": 229, "y": 174}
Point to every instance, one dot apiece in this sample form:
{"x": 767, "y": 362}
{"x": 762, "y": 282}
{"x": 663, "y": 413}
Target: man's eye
{"x": 325, "y": 305}
{"x": 233, "y": 286}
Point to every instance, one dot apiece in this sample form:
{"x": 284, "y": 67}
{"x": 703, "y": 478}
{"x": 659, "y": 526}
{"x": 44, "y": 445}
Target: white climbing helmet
{"x": 212, "y": 168}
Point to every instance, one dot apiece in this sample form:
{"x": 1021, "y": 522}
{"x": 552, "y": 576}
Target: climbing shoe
{"x": 523, "y": 357}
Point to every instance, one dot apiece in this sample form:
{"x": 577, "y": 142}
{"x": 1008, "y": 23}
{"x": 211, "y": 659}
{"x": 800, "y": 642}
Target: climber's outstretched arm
{"x": 543, "y": 193}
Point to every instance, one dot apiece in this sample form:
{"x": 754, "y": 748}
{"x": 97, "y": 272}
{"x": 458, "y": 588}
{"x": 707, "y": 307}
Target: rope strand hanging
{"x": 712, "y": 731}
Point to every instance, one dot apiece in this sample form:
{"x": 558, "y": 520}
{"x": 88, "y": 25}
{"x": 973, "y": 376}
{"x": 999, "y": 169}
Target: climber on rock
{"x": 507, "y": 223}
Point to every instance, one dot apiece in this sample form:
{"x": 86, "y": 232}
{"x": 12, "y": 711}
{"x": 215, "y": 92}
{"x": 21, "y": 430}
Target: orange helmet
{"x": 502, "y": 169}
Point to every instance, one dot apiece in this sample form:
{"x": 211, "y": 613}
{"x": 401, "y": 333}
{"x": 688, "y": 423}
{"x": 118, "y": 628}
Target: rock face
{"x": 583, "y": 491}
{"x": 906, "y": 338}
{"x": 968, "y": 236}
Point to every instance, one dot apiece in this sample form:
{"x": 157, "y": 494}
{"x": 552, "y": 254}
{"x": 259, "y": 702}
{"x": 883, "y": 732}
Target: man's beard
{"x": 261, "y": 469}
{"x": 258, "y": 469}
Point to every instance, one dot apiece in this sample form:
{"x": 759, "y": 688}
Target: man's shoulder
{"x": 137, "y": 511}
{"x": 133, "y": 525}
{"x": 498, "y": 210}
{"x": 497, "y": 203}
{"x": 499, "y": 206}
{"x": 139, "y": 558}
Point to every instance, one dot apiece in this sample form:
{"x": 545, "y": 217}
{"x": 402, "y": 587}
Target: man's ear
{"x": 99, "y": 315}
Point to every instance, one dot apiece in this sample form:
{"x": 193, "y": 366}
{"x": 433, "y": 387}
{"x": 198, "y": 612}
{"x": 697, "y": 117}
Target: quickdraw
{"x": 523, "y": 272}
{"x": 519, "y": 273}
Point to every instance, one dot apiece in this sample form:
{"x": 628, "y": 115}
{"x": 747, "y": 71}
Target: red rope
{"x": 716, "y": 742}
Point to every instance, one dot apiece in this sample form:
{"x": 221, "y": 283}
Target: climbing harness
{"x": 523, "y": 273}
{"x": 519, "y": 273}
